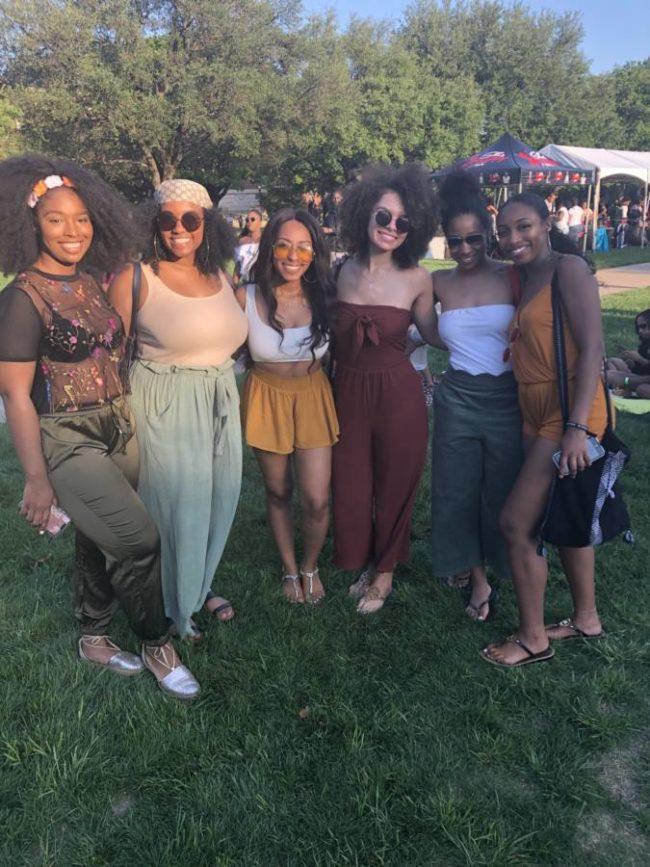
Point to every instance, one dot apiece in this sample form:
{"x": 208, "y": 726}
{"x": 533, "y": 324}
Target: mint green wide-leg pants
{"x": 189, "y": 433}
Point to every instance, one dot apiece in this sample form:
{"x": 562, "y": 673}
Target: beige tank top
{"x": 173, "y": 329}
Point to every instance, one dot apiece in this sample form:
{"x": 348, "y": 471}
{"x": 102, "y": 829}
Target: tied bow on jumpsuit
{"x": 378, "y": 461}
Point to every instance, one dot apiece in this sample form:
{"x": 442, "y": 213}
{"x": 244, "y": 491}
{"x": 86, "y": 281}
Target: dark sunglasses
{"x": 384, "y": 218}
{"x": 190, "y": 221}
{"x": 474, "y": 240}
{"x": 251, "y": 219}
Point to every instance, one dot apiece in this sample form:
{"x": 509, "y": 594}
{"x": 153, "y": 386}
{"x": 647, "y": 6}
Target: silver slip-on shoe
{"x": 121, "y": 662}
{"x": 178, "y": 681}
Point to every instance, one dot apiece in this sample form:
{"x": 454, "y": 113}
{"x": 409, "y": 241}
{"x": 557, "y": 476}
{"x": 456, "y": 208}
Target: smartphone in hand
{"x": 57, "y": 521}
{"x": 596, "y": 452}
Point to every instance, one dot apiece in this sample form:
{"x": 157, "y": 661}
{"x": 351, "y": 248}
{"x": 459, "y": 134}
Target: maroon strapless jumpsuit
{"x": 378, "y": 460}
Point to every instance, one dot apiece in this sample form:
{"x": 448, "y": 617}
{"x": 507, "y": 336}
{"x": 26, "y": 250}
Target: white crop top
{"x": 477, "y": 337}
{"x": 267, "y": 346}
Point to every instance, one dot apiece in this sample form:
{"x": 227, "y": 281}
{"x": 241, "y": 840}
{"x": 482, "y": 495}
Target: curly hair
{"x": 110, "y": 214}
{"x": 317, "y": 281}
{"x": 460, "y": 194}
{"x": 412, "y": 183}
{"x": 216, "y": 250}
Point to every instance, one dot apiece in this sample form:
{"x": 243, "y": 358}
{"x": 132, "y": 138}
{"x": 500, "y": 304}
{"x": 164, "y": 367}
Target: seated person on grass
{"x": 630, "y": 360}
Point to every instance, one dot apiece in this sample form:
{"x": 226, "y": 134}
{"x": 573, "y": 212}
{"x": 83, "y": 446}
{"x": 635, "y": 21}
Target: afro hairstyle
{"x": 112, "y": 218}
{"x": 412, "y": 183}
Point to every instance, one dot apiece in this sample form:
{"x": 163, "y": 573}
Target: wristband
{"x": 576, "y": 425}
{"x": 626, "y": 382}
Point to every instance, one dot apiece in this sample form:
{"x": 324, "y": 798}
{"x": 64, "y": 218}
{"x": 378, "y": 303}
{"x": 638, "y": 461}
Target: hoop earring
{"x": 313, "y": 280}
{"x": 206, "y": 252}
{"x": 156, "y": 251}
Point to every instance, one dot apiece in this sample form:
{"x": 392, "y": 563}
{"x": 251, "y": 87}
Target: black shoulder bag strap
{"x": 131, "y": 347}
{"x": 560, "y": 355}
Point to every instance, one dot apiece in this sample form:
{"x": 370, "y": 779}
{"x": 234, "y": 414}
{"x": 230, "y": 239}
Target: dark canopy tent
{"x": 510, "y": 162}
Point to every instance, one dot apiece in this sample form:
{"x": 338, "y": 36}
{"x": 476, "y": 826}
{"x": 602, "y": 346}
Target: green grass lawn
{"x": 616, "y": 258}
{"x": 322, "y": 738}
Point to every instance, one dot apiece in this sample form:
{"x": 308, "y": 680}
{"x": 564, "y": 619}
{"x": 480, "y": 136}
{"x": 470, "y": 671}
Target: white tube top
{"x": 267, "y": 346}
{"x": 477, "y": 337}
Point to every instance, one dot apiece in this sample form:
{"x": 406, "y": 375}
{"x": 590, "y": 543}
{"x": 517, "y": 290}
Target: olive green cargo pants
{"x": 92, "y": 459}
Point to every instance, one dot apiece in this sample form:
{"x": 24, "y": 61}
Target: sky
{"x": 616, "y": 31}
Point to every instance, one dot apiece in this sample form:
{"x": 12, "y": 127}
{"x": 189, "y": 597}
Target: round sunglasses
{"x": 304, "y": 252}
{"x": 474, "y": 240}
{"x": 384, "y": 218}
{"x": 190, "y": 221}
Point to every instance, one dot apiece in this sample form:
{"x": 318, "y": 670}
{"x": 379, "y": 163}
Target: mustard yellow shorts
{"x": 540, "y": 408}
{"x": 283, "y": 413}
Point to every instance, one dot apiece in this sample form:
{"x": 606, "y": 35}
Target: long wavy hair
{"x": 317, "y": 282}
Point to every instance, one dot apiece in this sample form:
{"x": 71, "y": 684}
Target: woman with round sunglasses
{"x": 61, "y": 357}
{"x": 388, "y": 220}
{"x": 476, "y": 446}
{"x": 184, "y": 394}
{"x": 528, "y": 238}
{"x": 287, "y": 405}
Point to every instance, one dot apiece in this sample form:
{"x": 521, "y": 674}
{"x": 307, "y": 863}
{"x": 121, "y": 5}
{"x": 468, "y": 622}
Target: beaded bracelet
{"x": 576, "y": 425}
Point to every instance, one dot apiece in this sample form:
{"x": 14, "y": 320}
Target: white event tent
{"x": 607, "y": 164}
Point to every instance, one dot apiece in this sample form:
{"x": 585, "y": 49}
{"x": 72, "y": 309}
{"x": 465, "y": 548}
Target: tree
{"x": 631, "y": 85}
{"x": 10, "y": 125}
{"x": 529, "y": 67}
{"x": 143, "y": 89}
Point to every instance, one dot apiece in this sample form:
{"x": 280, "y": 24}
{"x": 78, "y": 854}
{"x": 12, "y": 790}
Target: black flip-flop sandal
{"x": 576, "y": 632}
{"x": 542, "y": 656}
{"x": 492, "y": 601}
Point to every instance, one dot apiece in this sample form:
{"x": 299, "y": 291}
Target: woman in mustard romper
{"x": 527, "y": 238}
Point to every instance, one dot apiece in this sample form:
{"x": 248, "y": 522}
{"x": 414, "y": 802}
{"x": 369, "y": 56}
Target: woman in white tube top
{"x": 287, "y": 405}
{"x": 477, "y": 424}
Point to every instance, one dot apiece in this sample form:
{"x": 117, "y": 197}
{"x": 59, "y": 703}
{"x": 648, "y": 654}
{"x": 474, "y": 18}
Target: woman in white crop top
{"x": 287, "y": 405}
{"x": 188, "y": 325}
{"x": 477, "y": 449}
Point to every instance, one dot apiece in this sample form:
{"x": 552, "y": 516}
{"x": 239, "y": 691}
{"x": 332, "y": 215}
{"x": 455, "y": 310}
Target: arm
{"x": 16, "y": 379}
{"x": 579, "y": 292}
{"x": 120, "y": 295}
{"x": 424, "y": 311}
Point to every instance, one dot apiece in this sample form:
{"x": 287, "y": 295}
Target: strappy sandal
{"x": 576, "y": 632}
{"x": 218, "y": 609}
{"x": 492, "y": 600}
{"x": 296, "y": 587}
{"x": 309, "y": 596}
{"x": 361, "y": 585}
{"x": 542, "y": 656}
{"x": 372, "y": 601}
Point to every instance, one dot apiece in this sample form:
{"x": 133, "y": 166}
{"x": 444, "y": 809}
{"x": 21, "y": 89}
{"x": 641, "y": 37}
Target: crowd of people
{"x": 125, "y": 412}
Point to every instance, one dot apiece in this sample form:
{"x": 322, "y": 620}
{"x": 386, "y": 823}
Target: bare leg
{"x": 313, "y": 471}
{"x": 643, "y": 391}
{"x": 579, "y": 567}
{"x": 519, "y": 520}
{"x": 616, "y": 364}
{"x": 276, "y": 472}
{"x": 481, "y": 590}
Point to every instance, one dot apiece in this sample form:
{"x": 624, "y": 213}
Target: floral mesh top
{"x": 67, "y": 326}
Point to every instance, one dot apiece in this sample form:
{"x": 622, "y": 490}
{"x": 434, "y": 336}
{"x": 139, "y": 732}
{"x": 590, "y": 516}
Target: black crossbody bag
{"x": 131, "y": 345}
{"x": 589, "y": 509}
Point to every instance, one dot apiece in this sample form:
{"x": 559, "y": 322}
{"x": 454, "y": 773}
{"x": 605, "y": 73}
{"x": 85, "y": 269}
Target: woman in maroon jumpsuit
{"x": 388, "y": 220}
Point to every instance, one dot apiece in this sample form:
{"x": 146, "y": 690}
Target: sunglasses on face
{"x": 190, "y": 221}
{"x": 384, "y": 218}
{"x": 474, "y": 240}
{"x": 304, "y": 252}
{"x": 251, "y": 219}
